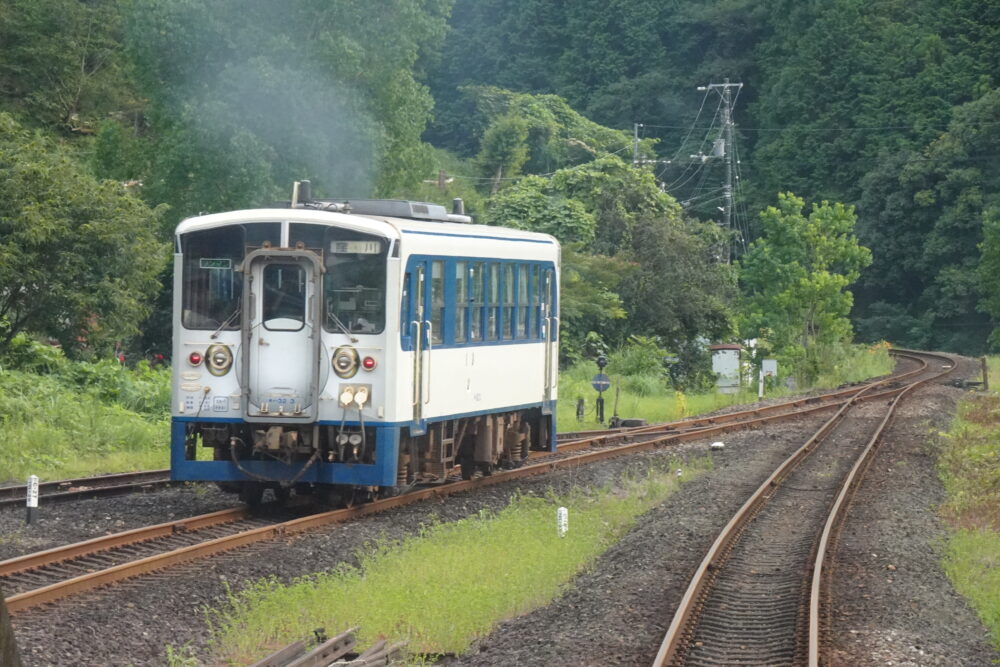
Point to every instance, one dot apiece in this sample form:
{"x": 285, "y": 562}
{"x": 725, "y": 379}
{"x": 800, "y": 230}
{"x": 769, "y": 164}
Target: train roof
{"x": 389, "y": 227}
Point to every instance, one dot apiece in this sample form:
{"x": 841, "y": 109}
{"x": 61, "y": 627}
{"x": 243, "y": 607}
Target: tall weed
{"x": 969, "y": 467}
{"x": 63, "y": 419}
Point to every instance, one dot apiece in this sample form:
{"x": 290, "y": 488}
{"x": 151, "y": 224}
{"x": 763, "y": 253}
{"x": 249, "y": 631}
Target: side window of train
{"x": 405, "y": 310}
{"x": 508, "y": 301}
{"x": 493, "y": 303}
{"x": 545, "y": 292}
{"x": 437, "y": 301}
{"x": 461, "y": 300}
{"x": 522, "y": 300}
{"x": 536, "y": 302}
{"x": 476, "y": 308}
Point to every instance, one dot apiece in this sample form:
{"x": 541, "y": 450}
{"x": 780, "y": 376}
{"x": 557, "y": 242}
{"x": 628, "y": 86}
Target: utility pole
{"x": 725, "y": 90}
{"x": 635, "y": 143}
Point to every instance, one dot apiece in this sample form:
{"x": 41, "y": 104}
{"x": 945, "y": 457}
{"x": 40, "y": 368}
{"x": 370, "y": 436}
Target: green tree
{"x": 795, "y": 277}
{"x": 534, "y": 204}
{"x": 78, "y": 257}
{"x": 674, "y": 289}
{"x": 924, "y": 217}
{"x": 63, "y": 66}
{"x": 588, "y": 299}
{"x": 847, "y": 80}
{"x": 989, "y": 270}
{"x": 503, "y": 150}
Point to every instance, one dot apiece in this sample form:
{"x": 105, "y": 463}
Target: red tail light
{"x": 369, "y": 363}
{"x": 195, "y": 358}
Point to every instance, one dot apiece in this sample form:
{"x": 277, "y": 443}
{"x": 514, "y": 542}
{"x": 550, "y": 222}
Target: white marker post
{"x": 562, "y": 521}
{"x": 32, "y": 499}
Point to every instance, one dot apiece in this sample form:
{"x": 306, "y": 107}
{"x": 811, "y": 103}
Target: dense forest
{"x": 866, "y": 149}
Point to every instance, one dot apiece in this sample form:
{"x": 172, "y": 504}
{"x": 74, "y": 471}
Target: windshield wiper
{"x": 229, "y": 320}
{"x": 336, "y": 320}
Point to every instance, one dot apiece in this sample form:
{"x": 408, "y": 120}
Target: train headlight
{"x": 219, "y": 359}
{"x": 345, "y": 362}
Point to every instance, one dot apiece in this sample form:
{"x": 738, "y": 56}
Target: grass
{"x": 649, "y": 396}
{"x": 969, "y": 466}
{"x": 83, "y": 419}
{"x": 449, "y": 584}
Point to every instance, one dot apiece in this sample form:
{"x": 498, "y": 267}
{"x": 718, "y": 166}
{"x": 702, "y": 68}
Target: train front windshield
{"x": 353, "y": 284}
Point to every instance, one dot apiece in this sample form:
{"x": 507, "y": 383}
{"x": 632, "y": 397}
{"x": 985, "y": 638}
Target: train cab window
{"x": 259, "y": 234}
{"x": 476, "y": 301}
{"x": 522, "y": 300}
{"x": 508, "y": 301}
{"x": 437, "y": 301}
{"x": 461, "y": 300}
{"x": 284, "y": 297}
{"x": 211, "y": 285}
{"x": 354, "y": 282}
{"x": 311, "y": 236}
{"x": 493, "y": 303}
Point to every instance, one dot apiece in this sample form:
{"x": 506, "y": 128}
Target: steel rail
{"x": 87, "y": 487}
{"x": 92, "y": 580}
{"x": 103, "y": 543}
{"x": 838, "y": 514}
{"x": 680, "y": 624}
{"x": 616, "y": 435}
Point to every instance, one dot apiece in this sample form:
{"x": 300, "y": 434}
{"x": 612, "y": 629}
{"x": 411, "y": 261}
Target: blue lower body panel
{"x": 380, "y": 473}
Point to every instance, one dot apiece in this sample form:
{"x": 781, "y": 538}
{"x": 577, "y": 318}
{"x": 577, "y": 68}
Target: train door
{"x": 547, "y": 291}
{"x": 420, "y": 328}
{"x": 282, "y": 344}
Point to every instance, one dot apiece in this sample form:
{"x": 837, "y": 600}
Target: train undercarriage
{"x": 474, "y": 444}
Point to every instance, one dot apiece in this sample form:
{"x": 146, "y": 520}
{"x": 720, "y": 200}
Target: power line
{"x": 802, "y": 128}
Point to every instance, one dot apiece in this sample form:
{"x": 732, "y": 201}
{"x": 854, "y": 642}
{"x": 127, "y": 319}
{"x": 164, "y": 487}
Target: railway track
{"x": 88, "y": 487}
{"x": 760, "y": 596}
{"x": 124, "y": 555}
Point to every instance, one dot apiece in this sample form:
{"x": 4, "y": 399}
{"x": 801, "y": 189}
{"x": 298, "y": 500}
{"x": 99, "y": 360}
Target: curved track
{"x": 57, "y": 571}
{"x": 757, "y": 596}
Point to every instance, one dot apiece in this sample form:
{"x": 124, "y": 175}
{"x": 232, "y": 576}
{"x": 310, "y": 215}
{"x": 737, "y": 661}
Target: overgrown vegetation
{"x": 644, "y": 386}
{"x": 969, "y": 466}
{"x": 449, "y": 584}
{"x": 61, "y": 418}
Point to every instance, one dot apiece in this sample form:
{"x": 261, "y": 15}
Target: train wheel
{"x": 251, "y": 493}
{"x": 467, "y": 464}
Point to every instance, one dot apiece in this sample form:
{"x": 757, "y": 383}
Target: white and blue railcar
{"x": 362, "y": 345}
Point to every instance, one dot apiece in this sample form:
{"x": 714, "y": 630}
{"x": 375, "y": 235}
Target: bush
{"x": 27, "y": 354}
{"x": 62, "y": 419}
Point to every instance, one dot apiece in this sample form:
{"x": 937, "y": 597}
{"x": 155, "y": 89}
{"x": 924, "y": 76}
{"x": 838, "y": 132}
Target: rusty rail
{"x": 88, "y": 487}
{"x": 838, "y": 514}
{"x": 671, "y": 647}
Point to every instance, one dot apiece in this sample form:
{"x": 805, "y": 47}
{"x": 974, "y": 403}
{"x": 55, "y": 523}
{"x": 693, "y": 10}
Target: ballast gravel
{"x": 613, "y": 614}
